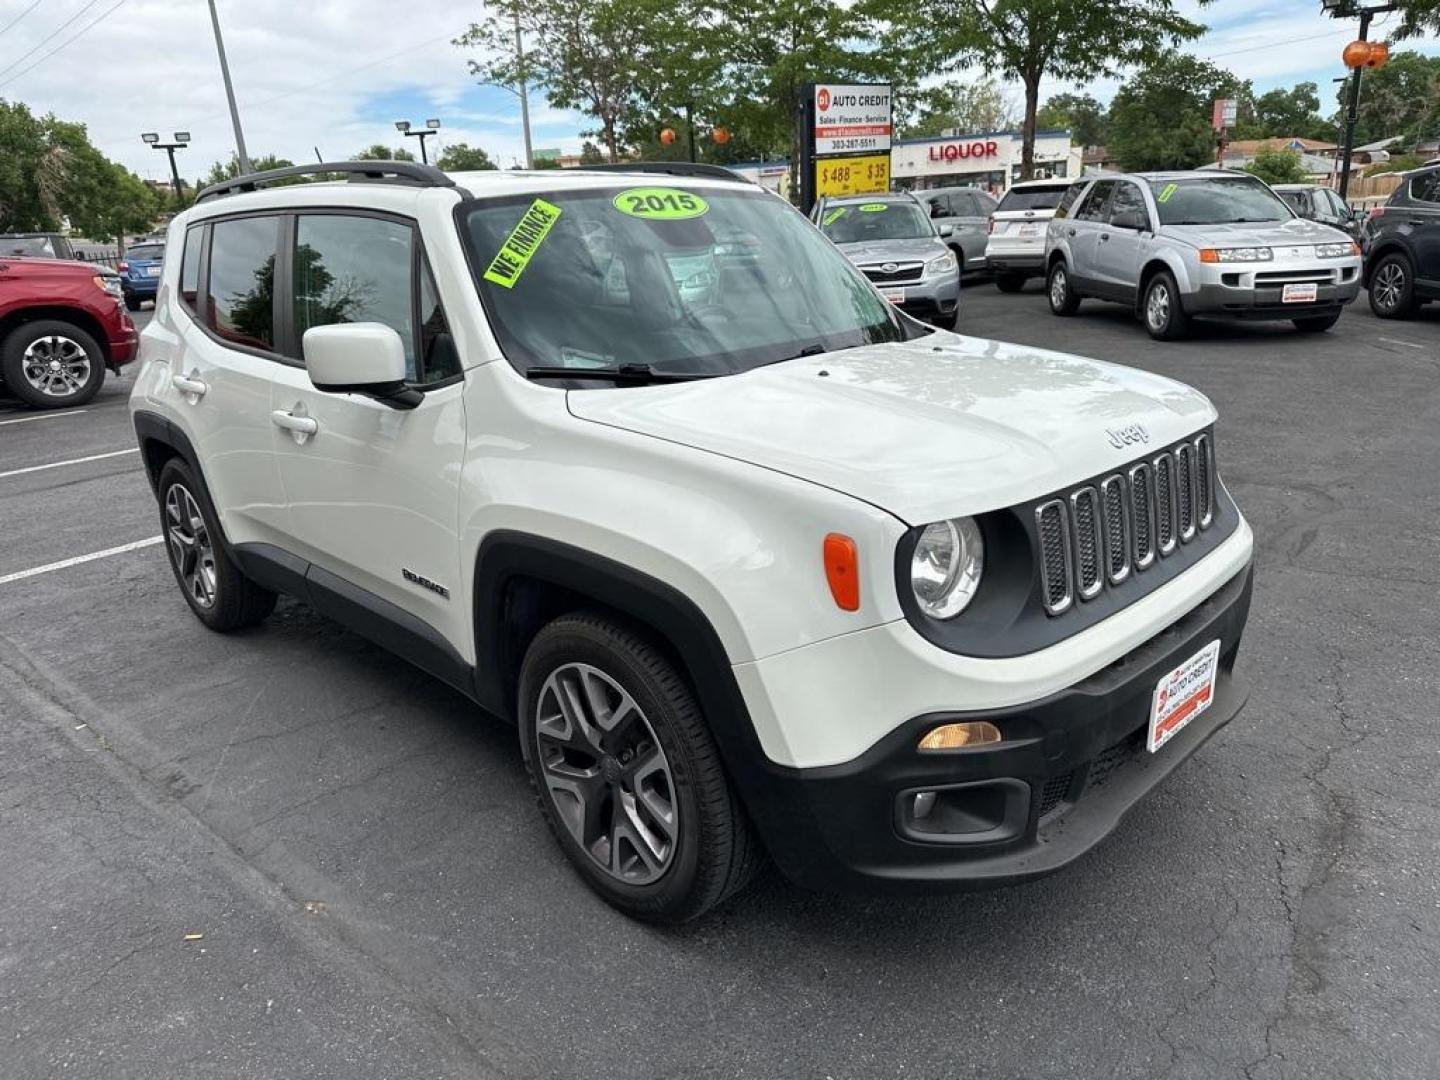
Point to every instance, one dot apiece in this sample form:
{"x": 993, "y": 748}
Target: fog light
{"x": 954, "y": 736}
{"x": 924, "y": 803}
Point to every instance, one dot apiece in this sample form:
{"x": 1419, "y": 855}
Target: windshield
{"x": 33, "y": 246}
{"x": 1222, "y": 200}
{"x": 146, "y": 252}
{"x": 1041, "y": 198}
{"x": 857, "y": 223}
{"x": 686, "y": 281}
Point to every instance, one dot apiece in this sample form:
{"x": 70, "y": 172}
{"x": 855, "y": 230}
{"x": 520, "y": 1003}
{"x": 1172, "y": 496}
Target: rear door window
{"x": 1426, "y": 187}
{"x": 1093, "y": 208}
{"x": 1127, "y": 200}
{"x": 1067, "y": 200}
{"x": 190, "y": 268}
{"x": 241, "y": 293}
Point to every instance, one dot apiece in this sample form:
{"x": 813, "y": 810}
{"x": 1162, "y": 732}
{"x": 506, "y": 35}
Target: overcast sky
{"x": 336, "y": 75}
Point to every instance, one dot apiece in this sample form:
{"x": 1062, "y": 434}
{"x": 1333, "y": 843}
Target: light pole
{"x": 182, "y": 139}
{"x": 430, "y": 128}
{"x": 1347, "y": 9}
{"x": 230, "y": 92}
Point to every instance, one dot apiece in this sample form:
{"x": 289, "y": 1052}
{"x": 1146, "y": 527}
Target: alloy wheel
{"x": 1157, "y": 306}
{"x": 1058, "y": 285}
{"x": 190, "y": 547}
{"x": 1389, "y": 285}
{"x": 56, "y": 366}
{"x": 607, "y": 775}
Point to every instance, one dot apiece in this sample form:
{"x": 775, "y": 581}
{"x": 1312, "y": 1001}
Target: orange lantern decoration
{"x": 667, "y": 136}
{"x": 1357, "y": 54}
{"x": 721, "y": 136}
{"x": 1379, "y": 54}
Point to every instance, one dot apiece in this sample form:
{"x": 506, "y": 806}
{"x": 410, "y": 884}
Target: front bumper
{"x": 1027, "y": 262}
{"x": 1068, "y": 769}
{"x": 143, "y": 287}
{"x": 124, "y": 342}
{"x": 1240, "y": 291}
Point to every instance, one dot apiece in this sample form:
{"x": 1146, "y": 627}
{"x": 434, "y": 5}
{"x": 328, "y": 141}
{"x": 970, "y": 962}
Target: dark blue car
{"x": 140, "y": 273}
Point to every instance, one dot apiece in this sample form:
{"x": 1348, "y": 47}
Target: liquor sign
{"x": 852, "y": 175}
{"x": 849, "y": 127}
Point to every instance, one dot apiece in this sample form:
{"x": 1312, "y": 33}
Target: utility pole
{"x": 523, "y": 93}
{"x": 1346, "y": 9}
{"x": 240, "y": 153}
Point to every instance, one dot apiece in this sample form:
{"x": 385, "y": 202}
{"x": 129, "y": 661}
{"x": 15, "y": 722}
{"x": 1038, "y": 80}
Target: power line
{"x": 51, "y": 36}
{"x": 22, "y": 14}
{"x": 66, "y": 43}
{"x": 1277, "y": 44}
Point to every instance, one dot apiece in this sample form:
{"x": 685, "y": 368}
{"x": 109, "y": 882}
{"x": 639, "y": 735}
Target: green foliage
{"x": 381, "y": 152}
{"x": 968, "y": 108}
{"x": 229, "y": 170}
{"x": 1160, "y": 119}
{"x": 1292, "y": 113}
{"x": 1402, "y": 98}
{"x": 1277, "y": 166}
{"x": 1081, "y": 113}
{"x": 462, "y": 157}
{"x": 1418, "y": 17}
{"x": 590, "y": 154}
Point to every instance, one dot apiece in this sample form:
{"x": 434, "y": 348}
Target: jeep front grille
{"x": 1098, "y": 533}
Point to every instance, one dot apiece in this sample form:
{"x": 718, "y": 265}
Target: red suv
{"x": 61, "y": 325}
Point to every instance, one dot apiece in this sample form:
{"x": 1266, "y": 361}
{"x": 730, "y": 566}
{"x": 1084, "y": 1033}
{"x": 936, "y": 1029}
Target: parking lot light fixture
{"x": 150, "y": 137}
{"x": 430, "y": 128}
{"x": 182, "y": 140}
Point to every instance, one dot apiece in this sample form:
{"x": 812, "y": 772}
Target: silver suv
{"x": 896, "y": 245}
{"x": 1211, "y": 243}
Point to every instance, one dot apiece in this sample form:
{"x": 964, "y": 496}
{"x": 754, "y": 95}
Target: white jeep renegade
{"x": 757, "y": 563}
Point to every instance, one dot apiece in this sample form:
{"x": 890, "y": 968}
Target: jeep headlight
{"x": 1237, "y": 254}
{"x": 945, "y": 567}
{"x": 1336, "y": 251}
{"x": 943, "y": 265}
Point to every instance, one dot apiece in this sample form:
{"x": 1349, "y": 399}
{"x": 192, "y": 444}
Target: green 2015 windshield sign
{"x": 522, "y": 243}
{"x": 660, "y": 204}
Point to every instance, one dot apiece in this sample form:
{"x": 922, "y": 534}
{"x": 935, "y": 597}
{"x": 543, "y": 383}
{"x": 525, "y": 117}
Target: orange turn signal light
{"x": 1210, "y": 255}
{"x": 842, "y": 571}
{"x": 955, "y": 736}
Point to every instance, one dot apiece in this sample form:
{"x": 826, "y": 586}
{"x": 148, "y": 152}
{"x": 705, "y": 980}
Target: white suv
{"x": 757, "y": 563}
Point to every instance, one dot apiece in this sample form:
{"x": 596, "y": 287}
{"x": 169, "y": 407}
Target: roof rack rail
{"x": 668, "y": 168}
{"x": 382, "y": 172}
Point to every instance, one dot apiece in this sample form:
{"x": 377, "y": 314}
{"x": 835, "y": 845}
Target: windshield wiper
{"x": 623, "y": 374}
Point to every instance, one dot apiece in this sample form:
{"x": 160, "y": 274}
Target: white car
{"x": 756, "y": 563}
{"x": 1015, "y": 247}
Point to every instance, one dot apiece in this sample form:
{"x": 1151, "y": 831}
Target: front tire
{"x": 947, "y": 322}
{"x": 1164, "y": 318}
{"x": 1063, "y": 300}
{"x": 131, "y": 303}
{"x": 1009, "y": 283}
{"x": 626, "y": 772}
{"x": 1316, "y": 324}
{"x": 52, "y": 364}
{"x": 220, "y": 595}
{"x": 1392, "y": 287}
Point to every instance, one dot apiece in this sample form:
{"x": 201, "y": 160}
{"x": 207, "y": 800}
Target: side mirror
{"x": 947, "y": 230}
{"x": 359, "y": 358}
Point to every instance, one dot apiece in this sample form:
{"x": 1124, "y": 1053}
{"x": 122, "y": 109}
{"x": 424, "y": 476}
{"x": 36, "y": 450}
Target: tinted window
{"x": 1128, "y": 200}
{"x": 1068, "y": 199}
{"x": 962, "y": 204}
{"x": 984, "y": 204}
{"x": 1296, "y": 201}
{"x": 438, "y": 358}
{"x": 190, "y": 268}
{"x": 355, "y": 269}
{"x": 1093, "y": 208}
{"x": 41, "y": 247}
{"x": 939, "y": 206}
{"x": 146, "y": 253}
{"x": 1426, "y": 187}
{"x": 1219, "y": 200}
{"x": 242, "y": 280}
{"x": 1036, "y": 198}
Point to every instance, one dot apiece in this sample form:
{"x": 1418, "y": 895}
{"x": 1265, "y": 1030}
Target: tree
{"x": 229, "y": 170}
{"x": 590, "y": 153}
{"x": 1292, "y": 113}
{"x": 1402, "y": 98}
{"x": 1029, "y": 40}
{"x": 462, "y": 157}
{"x": 1277, "y": 166}
{"x": 966, "y": 108}
{"x": 1081, "y": 113}
{"x": 1160, "y": 119}
{"x": 1418, "y": 17}
{"x": 381, "y": 152}
{"x": 587, "y": 54}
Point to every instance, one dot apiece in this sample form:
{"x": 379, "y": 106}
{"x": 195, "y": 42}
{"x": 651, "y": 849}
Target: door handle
{"x": 300, "y": 426}
{"x": 192, "y": 386}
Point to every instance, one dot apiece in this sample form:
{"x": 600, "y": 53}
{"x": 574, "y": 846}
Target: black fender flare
{"x": 153, "y": 431}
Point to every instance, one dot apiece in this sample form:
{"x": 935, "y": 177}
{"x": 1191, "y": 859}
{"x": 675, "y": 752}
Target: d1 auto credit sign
{"x": 852, "y": 119}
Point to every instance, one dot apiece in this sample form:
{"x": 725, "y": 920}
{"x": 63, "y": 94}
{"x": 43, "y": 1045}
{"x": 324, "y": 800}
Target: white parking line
{"x": 1397, "y": 341}
{"x": 43, "y": 416}
{"x": 78, "y": 559}
{"x": 72, "y": 461}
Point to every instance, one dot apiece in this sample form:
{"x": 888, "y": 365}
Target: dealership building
{"x": 989, "y": 160}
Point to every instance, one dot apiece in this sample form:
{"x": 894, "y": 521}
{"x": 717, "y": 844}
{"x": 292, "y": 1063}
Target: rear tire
{"x": 1392, "y": 287}
{"x": 52, "y": 364}
{"x": 627, "y": 774}
{"x": 1063, "y": 300}
{"x": 218, "y": 593}
{"x": 1161, "y": 310}
{"x": 1317, "y": 324}
{"x": 1009, "y": 283}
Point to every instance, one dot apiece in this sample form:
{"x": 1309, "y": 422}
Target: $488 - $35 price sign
{"x": 852, "y": 176}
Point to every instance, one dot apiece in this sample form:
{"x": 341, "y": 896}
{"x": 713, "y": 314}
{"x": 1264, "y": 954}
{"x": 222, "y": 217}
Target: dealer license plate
{"x": 895, "y": 296}
{"x": 1027, "y": 231}
{"x": 152, "y": 271}
{"x": 1299, "y": 293}
{"x": 1183, "y": 695}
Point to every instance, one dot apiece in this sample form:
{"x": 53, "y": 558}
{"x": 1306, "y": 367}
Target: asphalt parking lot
{"x": 378, "y": 896}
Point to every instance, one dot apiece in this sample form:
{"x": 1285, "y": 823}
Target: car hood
{"x": 911, "y": 250}
{"x": 933, "y": 428}
{"x": 1256, "y": 234}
